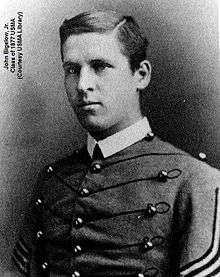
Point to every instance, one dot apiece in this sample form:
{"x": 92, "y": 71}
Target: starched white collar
{"x": 121, "y": 139}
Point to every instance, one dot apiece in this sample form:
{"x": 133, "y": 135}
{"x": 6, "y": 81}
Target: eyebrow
{"x": 68, "y": 63}
{"x": 91, "y": 61}
{"x": 100, "y": 60}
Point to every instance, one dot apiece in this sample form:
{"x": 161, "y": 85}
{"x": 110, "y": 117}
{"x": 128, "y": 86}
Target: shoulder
{"x": 197, "y": 165}
{"x": 196, "y": 173}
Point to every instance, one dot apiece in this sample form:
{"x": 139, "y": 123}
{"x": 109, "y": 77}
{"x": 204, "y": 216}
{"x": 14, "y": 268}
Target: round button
{"x": 77, "y": 249}
{"x": 149, "y": 136}
{"x": 39, "y": 234}
{"x": 96, "y": 167}
{"x": 78, "y": 222}
{"x": 148, "y": 245}
{"x": 75, "y": 274}
{"x": 44, "y": 265}
{"x": 151, "y": 210}
{"x": 49, "y": 169}
{"x": 38, "y": 202}
{"x": 163, "y": 176}
{"x": 202, "y": 156}
{"x": 84, "y": 192}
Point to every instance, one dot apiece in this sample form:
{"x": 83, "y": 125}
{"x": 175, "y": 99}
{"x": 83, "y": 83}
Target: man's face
{"x": 99, "y": 82}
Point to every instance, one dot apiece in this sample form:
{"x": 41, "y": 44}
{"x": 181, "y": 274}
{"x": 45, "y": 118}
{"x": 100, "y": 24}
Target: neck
{"x": 102, "y": 134}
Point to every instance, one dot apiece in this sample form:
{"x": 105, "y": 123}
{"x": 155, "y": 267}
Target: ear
{"x": 143, "y": 75}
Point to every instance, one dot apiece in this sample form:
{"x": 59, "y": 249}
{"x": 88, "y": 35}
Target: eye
{"x": 99, "y": 66}
{"x": 72, "y": 70}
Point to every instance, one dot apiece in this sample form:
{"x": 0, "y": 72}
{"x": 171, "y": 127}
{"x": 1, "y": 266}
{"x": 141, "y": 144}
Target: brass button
{"x": 39, "y": 234}
{"x": 202, "y": 156}
{"x": 162, "y": 176}
{"x": 44, "y": 266}
{"x": 151, "y": 210}
{"x": 77, "y": 249}
{"x": 49, "y": 169}
{"x": 149, "y": 136}
{"x": 148, "y": 245}
{"x": 78, "y": 222}
{"x": 38, "y": 202}
{"x": 75, "y": 274}
{"x": 84, "y": 192}
{"x": 96, "y": 167}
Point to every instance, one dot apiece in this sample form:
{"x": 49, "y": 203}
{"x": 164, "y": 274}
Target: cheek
{"x": 111, "y": 82}
{"x": 118, "y": 87}
{"x": 71, "y": 92}
{"x": 70, "y": 86}
{"x": 69, "y": 82}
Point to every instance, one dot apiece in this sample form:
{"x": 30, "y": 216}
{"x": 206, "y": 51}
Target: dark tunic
{"x": 148, "y": 210}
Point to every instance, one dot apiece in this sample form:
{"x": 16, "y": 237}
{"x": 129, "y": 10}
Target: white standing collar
{"x": 121, "y": 139}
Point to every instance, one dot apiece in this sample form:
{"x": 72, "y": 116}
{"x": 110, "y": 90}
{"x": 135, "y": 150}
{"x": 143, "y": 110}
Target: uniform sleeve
{"x": 200, "y": 239}
{"x": 25, "y": 252}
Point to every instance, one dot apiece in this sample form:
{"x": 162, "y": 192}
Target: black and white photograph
{"x": 110, "y": 138}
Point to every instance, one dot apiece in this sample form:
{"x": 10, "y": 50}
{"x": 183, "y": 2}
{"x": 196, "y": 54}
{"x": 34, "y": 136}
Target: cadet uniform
{"x": 143, "y": 208}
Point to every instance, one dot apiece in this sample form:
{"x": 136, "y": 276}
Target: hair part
{"x": 132, "y": 41}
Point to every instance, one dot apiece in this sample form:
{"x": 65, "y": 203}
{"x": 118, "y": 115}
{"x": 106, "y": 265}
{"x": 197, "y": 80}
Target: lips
{"x": 87, "y": 104}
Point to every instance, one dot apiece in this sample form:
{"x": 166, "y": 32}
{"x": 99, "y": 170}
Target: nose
{"x": 86, "y": 80}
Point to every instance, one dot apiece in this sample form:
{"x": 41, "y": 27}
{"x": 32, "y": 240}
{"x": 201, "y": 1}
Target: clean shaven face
{"x": 99, "y": 83}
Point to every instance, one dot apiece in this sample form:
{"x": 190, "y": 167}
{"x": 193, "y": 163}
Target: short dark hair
{"x": 133, "y": 42}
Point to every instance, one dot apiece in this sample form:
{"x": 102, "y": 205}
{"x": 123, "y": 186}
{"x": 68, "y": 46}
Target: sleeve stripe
{"x": 20, "y": 249}
{"x": 20, "y": 255}
{"x": 18, "y": 258}
{"x": 23, "y": 246}
{"x": 211, "y": 260}
{"x": 21, "y": 267}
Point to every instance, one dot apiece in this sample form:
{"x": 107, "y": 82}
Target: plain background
{"x": 37, "y": 126}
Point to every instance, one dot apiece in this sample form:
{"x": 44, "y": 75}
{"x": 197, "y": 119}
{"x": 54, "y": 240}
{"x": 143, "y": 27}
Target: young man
{"x": 126, "y": 204}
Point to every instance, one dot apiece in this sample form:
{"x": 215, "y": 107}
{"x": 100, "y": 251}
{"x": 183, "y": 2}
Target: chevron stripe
{"x": 20, "y": 263}
{"x": 23, "y": 245}
{"x": 209, "y": 263}
{"x": 22, "y": 256}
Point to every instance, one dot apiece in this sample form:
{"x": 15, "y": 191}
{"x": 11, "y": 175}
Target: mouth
{"x": 88, "y": 105}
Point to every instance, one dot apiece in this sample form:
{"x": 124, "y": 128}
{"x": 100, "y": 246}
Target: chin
{"x": 93, "y": 124}
{"x": 101, "y": 126}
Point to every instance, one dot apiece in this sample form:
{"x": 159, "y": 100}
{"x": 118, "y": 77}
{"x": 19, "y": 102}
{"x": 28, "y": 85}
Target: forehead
{"x": 92, "y": 46}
